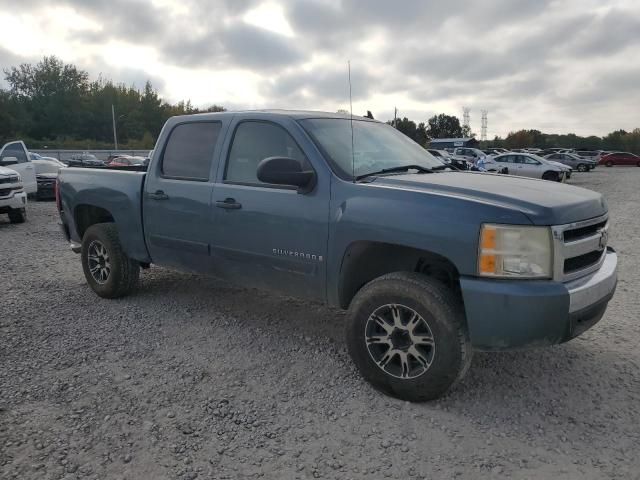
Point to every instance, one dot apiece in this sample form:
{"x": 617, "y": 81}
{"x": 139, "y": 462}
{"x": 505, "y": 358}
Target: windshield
{"x": 377, "y": 146}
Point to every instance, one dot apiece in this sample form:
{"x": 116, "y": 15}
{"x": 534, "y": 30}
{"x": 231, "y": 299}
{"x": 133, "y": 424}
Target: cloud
{"x": 535, "y": 64}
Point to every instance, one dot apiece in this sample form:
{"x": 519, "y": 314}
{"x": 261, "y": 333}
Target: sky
{"x": 559, "y": 66}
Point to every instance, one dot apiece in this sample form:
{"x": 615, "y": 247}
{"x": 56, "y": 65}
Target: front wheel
{"x": 609, "y": 163}
{"x": 108, "y": 270}
{"x": 553, "y": 176}
{"x": 18, "y": 215}
{"x": 582, "y": 167}
{"x": 407, "y": 335}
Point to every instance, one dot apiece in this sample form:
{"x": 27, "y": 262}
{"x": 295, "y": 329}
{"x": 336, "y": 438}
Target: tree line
{"x": 55, "y": 104}
{"x": 447, "y": 126}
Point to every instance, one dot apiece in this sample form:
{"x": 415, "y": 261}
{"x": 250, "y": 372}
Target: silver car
{"x": 572, "y": 160}
{"x": 527, "y": 165}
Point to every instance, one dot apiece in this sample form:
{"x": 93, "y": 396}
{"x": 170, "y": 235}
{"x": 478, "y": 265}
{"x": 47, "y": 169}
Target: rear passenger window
{"x": 189, "y": 150}
{"x": 252, "y": 143}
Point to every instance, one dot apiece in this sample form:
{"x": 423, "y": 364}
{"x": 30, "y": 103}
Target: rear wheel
{"x": 553, "y": 176}
{"x": 407, "y": 335}
{"x": 18, "y": 215}
{"x": 582, "y": 167}
{"x": 108, "y": 270}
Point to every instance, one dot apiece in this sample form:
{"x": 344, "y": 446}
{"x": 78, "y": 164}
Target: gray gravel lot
{"x": 191, "y": 378}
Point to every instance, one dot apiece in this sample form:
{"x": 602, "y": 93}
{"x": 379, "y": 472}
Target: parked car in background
{"x": 85, "y": 160}
{"x": 620, "y": 158}
{"x": 46, "y": 186}
{"x": 471, "y": 155}
{"x": 13, "y": 198}
{"x": 15, "y": 156}
{"x": 36, "y": 156}
{"x": 528, "y": 165}
{"x": 573, "y": 161}
{"x": 126, "y": 161}
{"x": 48, "y": 165}
{"x": 449, "y": 159}
{"x": 592, "y": 155}
{"x": 495, "y": 151}
{"x": 46, "y": 174}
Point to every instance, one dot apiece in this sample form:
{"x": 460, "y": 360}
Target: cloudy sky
{"x": 559, "y": 66}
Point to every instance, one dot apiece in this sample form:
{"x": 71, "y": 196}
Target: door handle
{"x": 158, "y": 195}
{"x": 229, "y": 204}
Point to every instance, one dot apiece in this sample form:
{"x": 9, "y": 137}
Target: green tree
{"x": 51, "y": 92}
{"x": 444, "y": 126}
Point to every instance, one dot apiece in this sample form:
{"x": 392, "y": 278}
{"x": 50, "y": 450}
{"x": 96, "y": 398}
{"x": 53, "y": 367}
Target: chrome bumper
{"x": 595, "y": 287}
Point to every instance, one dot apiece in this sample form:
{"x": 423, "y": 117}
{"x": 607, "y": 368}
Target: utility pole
{"x": 113, "y": 119}
{"x": 395, "y": 117}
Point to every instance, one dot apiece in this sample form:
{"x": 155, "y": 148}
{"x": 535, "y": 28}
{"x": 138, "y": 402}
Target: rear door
{"x": 177, "y": 212}
{"x": 271, "y": 236}
{"x": 24, "y": 166}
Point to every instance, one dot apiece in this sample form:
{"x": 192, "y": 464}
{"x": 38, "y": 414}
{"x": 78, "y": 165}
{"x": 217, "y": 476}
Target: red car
{"x": 620, "y": 158}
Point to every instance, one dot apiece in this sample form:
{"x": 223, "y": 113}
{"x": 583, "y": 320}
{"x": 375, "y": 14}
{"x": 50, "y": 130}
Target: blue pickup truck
{"x": 430, "y": 263}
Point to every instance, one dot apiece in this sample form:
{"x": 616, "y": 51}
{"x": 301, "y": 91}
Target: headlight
{"x": 507, "y": 251}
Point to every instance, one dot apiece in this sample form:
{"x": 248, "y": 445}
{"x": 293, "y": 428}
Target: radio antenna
{"x": 353, "y": 155}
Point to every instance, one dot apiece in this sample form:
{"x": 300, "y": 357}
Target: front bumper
{"x": 507, "y": 314}
{"x": 15, "y": 201}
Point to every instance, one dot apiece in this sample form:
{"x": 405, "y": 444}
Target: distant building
{"x": 442, "y": 143}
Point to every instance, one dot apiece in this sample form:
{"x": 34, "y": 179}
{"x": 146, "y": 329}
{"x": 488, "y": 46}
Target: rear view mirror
{"x": 286, "y": 171}
{"x": 9, "y": 161}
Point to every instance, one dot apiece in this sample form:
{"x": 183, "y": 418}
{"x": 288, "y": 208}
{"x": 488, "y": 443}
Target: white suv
{"x": 13, "y": 198}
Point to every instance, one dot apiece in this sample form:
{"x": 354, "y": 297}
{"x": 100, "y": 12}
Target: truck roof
{"x": 295, "y": 114}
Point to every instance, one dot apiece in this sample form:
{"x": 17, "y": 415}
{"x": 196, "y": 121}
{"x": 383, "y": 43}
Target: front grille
{"x": 13, "y": 179}
{"x": 579, "y": 248}
{"x": 581, "y": 262}
{"x": 583, "y": 232}
{"x": 5, "y": 191}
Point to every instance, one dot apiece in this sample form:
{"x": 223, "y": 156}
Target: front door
{"x": 178, "y": 216}
{"x": 14, "y": 156}
{"x": 270, "y": 236}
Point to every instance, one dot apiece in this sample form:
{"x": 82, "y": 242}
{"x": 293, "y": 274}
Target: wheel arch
{"x": 86, "y": 215}
{"x": 364, "y": 261}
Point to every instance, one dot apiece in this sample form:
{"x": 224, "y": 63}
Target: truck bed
{"x": 114, "y": 192}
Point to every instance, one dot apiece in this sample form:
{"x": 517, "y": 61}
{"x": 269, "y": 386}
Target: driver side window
{"x": 254, "y": 141}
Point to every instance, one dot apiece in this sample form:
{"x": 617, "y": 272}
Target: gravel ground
{"x": 190, "y": 378}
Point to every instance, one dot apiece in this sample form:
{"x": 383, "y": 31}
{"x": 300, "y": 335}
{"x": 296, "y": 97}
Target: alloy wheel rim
{"x": 399, "y": 341}
{"x": 99, "y": 263}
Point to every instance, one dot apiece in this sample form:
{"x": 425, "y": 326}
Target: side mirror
{"x": 286, "y": 171}
{"x": 9, "y": 161}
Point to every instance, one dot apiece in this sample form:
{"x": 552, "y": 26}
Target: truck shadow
{"x": 567, "y": 380}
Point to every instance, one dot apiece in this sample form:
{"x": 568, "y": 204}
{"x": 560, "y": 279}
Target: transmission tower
{"x": 483, "y": 134}
{"x": 466, "y": 120}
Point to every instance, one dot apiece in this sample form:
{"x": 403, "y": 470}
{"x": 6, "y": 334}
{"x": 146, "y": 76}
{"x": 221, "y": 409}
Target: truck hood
{"x": 5, "y": 172}
{"x": 543, "y": 201}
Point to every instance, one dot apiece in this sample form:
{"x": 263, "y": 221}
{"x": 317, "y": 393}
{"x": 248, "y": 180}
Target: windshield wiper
{"x": 402, "y": 168}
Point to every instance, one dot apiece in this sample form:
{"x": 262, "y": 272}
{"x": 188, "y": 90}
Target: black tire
{"x": 123, "y": 273}
{"x": 553, "y": 176}
{"x": 638, "y": 164}
{"x": 443, "y": 313}
{"x": 609, "y": 163}
{"x": 18, "y": 215}
{"x": 582, "y": 167}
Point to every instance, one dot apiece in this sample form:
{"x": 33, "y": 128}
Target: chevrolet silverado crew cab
{"x": 430, "y": 263}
